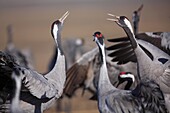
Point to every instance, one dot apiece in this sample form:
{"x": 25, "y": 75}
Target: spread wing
{"x": 122, "y": 51}
{"x": 144, "y": 98}
{"x": 77, "y": 74}
{"x": 37, "y": 84}
{"x": 122, "y": 101}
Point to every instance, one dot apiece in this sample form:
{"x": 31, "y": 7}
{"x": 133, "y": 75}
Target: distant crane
{"x": 136, "y": 19}
{"x": 73, "y": 49}
{"x": 23, "y": 57}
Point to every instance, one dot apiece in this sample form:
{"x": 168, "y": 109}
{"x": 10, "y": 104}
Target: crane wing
{"x": 38, "y": 85}
{"x": 123, "y": 51}
{"x": 122, "y": 101}
{"x": 158, "y": 39}
{"x": 163, "y": 80}
{"x": 77, "y": 74}
{"x": 144, "y": 98}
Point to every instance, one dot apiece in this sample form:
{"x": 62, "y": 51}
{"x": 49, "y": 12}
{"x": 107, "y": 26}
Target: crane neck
{"x": 58, "y": 73}
{"x": 142, "y": 58}
{"x": 56, "y": 33}
{"x": 58, "y": 43}
{"x": 131, "y": 36}
{"x": 104, "y": 84}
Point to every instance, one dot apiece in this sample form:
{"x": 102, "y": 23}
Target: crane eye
{"x": 163, "y": 60}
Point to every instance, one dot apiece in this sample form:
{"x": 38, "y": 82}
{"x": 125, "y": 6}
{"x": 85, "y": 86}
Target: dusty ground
{"x": 31, "y": 21}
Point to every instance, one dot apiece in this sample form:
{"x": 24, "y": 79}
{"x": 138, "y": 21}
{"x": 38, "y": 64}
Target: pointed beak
{"x": 64, "y": 17}
{"x": 115, "y": 19}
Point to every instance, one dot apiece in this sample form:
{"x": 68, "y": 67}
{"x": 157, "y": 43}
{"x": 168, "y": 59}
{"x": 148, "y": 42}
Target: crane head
{"x": 122, "y": 21}
{"x": 124, "y": 75}
{"x": 98, "y": 38}
{"x": 57, "y": 25}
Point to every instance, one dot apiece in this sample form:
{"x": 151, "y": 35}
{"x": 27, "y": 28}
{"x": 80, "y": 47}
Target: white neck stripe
{"x": 55, "y": 30}
{"x": 128, "y": 75}
{"x": 129, "y": 25}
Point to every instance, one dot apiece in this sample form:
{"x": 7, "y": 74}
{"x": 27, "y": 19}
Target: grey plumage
{"x": 39, "y": 91}
{"x": 85, "y": 72}
{"x": 152, "y": 68}
{"x": 143, "y": 98}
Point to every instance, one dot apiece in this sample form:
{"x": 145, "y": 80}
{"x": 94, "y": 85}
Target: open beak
{"x": 64, "y": 17}
{"x": 115, "y": 19}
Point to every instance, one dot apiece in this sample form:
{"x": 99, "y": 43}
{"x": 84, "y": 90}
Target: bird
{"x": 136, "y": 19}
{"x": 126, "y": 76}
{"x": 151, "y": 61}
{"x": 125, "y": 81}
{"x": 73, "y": 50}
{"x": 142, "y": 99}
{"x": 23, "y": 56}
{"x": 85, "y": 71}
{"x": 39, "y": 91}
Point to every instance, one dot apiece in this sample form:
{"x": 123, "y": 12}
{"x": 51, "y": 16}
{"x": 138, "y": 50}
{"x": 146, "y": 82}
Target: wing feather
{"x": 77, "y": 74}
{"x": 38, "y": 85}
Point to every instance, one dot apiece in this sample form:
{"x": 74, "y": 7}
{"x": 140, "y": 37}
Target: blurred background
{"x": 31, "y": 24}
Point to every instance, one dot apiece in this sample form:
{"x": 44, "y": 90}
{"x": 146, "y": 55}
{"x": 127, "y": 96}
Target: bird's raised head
{"x": 122, "y": 21}
{"x": 98, "y": 37}
{"x": 57, "y": 25}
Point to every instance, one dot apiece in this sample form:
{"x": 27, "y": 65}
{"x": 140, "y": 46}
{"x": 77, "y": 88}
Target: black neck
{"x": 59, "y": 42}
{"x": 128, "y": 85}
{"x": 131, "y": 36}
{"x": 129, "y": 82}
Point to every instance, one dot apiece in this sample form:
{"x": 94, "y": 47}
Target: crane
{"x": 113, "y": 100}
{"x": 85, "y": 72}
{"x": 152, "y": 62}
{"x": 39, "y": 91}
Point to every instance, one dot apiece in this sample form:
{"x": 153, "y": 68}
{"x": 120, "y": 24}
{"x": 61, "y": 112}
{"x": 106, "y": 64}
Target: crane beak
{"x": 115, "y": 19}
{"x": 64, "y": 17}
